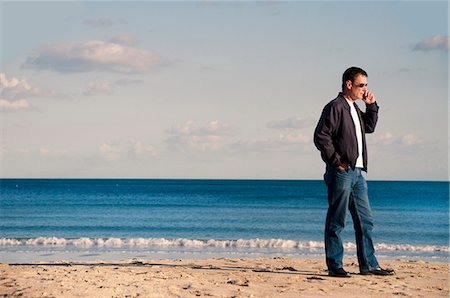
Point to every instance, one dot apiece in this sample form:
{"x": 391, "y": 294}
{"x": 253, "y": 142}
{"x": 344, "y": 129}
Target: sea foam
{"x": 198, "y": 243}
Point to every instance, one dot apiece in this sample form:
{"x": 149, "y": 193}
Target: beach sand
{"x": 224, "y": 277}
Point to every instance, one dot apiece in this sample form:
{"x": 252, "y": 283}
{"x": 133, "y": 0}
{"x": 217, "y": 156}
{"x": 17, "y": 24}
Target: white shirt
{"x": 355, "y": 117}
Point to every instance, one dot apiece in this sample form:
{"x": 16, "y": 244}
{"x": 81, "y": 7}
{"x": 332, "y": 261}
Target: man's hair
{"x": 351, "y": 74}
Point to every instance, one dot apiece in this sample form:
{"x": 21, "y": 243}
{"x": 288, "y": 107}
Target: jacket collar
{"x": 343, "y": 100}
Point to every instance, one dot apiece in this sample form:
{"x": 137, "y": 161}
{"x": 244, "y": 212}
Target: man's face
{"x": 358, "y": 88}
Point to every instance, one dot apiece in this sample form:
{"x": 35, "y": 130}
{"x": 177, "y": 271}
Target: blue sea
{"x": 93, "y": 219}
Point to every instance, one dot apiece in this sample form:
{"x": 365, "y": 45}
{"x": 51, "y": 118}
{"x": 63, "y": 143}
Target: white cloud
{"x": 291, "y": 123}
{"x": 20, "y": 104}
{"x": 16, "y": 88}
{"x": 194, "y": 143}
{"x": 24, "y": 151}
{"x": 436, "y": 42}
{"x": 98, "y": 88}
{"x": 294, "y": 139}
{"x": 141, "y": 149}
{"x": 384, "y": 138}
{"x": 213, "y": 127}
{"x": 14, "y": 93}
{"x": 126, "y": 150}
{"x": 192, "y": 137}
{"x": 213, "y": 137}
{"x": 123, "y": 40}
{"x": 52, "y": 152}
{"x": 410, "y": 140}
{"x": 388, "y": 139}
{"x": 109, "y": 152}
{"x": 93, "y": 55}
{"x": 105, "y": 87}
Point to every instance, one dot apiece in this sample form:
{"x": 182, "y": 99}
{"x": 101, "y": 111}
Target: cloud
{"x": 291, "y": 123}
{"x": 109, "y": 152}
{"x": 388, "y": 139}
{"x": 436, "y": 42}
{"x": 14, "y": 93}
{"x": 20, "y": 104}
{"x": 16, "y": 88}
{"x": 52, "y": 152}
{"x": 141, "y": 149}
{"x": 410, "y": 140}
{"x": 93, "y": 55}
{"x": 385, "y": 138}
{"x": 293, "y": 139}
{"x": 214, "y": 137}
{"x": 131, "y": 149}
{"x": 123, "y": 40}
{"x": 213, "y": 127}
{"x": 20, "y": 88}
{"x": 105, "y": 87}
{"x": 192, "y": 137}
{"x": 98, "y": 88}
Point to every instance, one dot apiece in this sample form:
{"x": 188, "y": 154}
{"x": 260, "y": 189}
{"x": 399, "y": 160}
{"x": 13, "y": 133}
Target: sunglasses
{"x": 361, "y": 85}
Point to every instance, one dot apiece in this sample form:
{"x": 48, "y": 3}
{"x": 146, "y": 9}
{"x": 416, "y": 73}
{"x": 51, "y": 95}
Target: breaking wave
{"x": 196, "y": 243}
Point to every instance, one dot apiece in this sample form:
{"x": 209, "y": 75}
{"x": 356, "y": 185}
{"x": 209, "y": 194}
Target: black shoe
{"x": 339, "y": 272}
{"x": 378, "y": 271}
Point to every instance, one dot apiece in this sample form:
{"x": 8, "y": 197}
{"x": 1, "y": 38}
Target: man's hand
{"x": 343, "y": 166}
{"x": 368, "y": 98}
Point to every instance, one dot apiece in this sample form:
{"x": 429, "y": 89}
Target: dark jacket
{"x": 335, "y": 134}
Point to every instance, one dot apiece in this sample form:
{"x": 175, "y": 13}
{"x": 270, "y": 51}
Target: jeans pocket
{"x": 342, "y": 179}
{"x": 339, "y": 170}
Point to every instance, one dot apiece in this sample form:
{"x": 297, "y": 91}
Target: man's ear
{"x": 348, "y": 84}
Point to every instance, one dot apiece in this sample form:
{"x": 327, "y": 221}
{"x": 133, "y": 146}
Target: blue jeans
{"x": 348, "y": 189}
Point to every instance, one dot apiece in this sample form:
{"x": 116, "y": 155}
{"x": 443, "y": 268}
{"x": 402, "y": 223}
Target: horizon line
{"x": 212, "y": 179}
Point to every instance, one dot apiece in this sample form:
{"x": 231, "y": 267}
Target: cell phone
{"x": 364, "y": 96}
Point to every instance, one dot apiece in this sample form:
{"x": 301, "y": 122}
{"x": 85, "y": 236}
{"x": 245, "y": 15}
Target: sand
{"x": 269, "y": 277}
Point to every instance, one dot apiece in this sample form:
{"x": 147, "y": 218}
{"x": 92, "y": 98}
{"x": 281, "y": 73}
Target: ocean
{"x": 93, "y": 219}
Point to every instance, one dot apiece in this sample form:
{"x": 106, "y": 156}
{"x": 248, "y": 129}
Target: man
{"x": 340, "y": 137}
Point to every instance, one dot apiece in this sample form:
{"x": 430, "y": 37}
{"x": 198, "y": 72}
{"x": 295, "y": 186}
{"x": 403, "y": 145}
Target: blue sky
{"x": 213, "y": 89}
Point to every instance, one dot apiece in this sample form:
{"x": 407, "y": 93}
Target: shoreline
{"x": 218, "y": 277}
{"x": 41, "y": 256}
{"x": 50, "y": 249}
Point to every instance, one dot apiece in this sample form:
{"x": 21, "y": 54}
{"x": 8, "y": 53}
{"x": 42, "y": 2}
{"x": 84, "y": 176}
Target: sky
{"x": 215, "y": 89}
